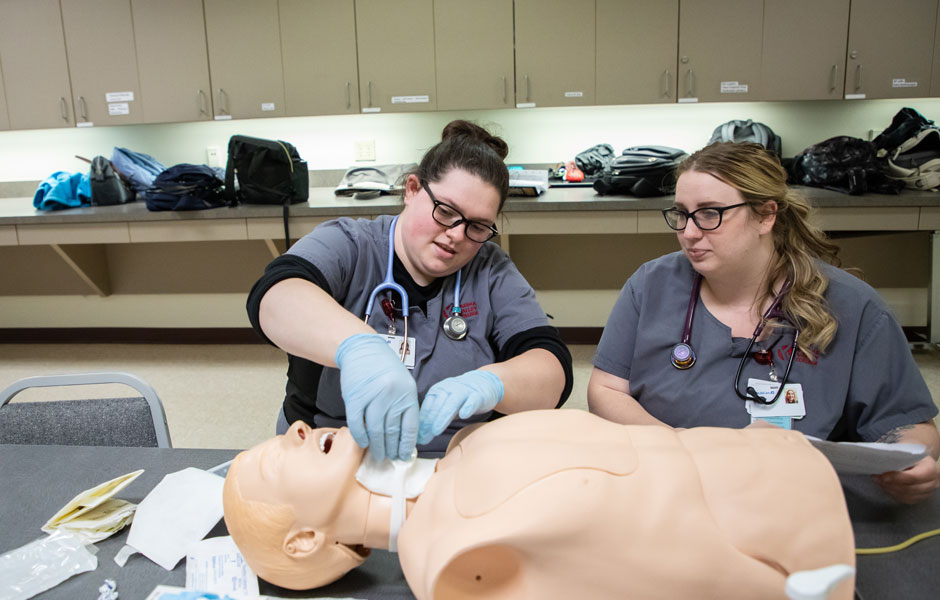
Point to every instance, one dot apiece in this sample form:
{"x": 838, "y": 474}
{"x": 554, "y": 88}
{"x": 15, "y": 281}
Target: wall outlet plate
{"x": 213, "y": 156}
{"x": 364, "y": 150}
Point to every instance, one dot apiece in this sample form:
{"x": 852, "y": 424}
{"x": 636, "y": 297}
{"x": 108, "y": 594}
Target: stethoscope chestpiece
{"x": 455, "y": 327}
{"x": 682, "y": 356}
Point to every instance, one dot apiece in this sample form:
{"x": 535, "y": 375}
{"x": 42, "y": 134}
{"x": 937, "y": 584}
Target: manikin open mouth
{"x": 326, "y": 442}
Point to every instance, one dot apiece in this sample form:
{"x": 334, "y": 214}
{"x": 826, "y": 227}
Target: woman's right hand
{"x": 380, "y": 395}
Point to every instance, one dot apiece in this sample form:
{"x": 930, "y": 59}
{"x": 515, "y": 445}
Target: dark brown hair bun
{"x": 474, "y": 131}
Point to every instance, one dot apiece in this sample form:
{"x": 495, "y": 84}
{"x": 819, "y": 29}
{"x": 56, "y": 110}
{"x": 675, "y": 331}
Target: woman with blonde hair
{"x": 754, "y": 305}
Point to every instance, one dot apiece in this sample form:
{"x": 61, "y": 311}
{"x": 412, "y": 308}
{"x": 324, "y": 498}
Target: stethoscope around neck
{"x": 455, "y": 326}
{"x": 683, "y": 357}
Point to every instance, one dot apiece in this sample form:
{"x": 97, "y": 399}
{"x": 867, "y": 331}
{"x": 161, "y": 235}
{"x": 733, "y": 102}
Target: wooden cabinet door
{"x": 554, "y": 52}
{"x": 396, "y": 55}
{"x": 99, "y": 38}
{"x": 720, "y": 50}
{"x": 244, "y": 41}
{"x": 35, "y": 69}
{"x": 804, "y": 49}
{"x": 4, "y": 117}
{"x": 171, "y": 56}
{"x": 890, "y": 50}
{"x": 473, "y": 50}
{"x": 935, "y": 72}
{"x": 318, "y": 50}
{"x": 637, "y": 44}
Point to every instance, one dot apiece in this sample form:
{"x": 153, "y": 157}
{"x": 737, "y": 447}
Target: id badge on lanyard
{"x": 395, "y": 342}
{"x": 790, "y": 405}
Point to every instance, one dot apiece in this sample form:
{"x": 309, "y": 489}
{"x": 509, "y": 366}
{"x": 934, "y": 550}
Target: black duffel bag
{"x": 641, "y": 171}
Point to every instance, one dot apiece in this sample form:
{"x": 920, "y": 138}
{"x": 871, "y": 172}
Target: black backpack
{"x": 910, "y": 149}
{"x": 641, "y": 171}
{"x": 842, "y": 164}
{"x": 747, "y": 131}
{"x": 185, "y": 187}
{"x": 267, "y": 172}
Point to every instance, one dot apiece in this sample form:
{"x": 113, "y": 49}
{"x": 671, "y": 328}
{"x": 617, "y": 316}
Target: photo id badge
{"x": 789, "y": 404}
{"x": 395, "y": 343}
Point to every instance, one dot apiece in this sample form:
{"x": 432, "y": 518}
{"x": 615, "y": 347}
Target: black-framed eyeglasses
{"x": 450, "y": 217}
{"x": 706, "y": 218}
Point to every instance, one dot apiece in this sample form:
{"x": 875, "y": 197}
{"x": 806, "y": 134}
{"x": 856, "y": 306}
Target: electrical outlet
{"x": 213, "y": 156}
{"x": 364, "y": 150}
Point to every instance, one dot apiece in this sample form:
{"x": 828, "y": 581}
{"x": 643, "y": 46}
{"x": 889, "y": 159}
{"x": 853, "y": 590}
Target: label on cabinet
{"x": 733, "y": 87}
{"x": 118, "y": 108}
{"x": 223, "y": 117}
{"x": 410, "y": 99}
{"x": 267, "y": 106}
{"x": 85, "y": 124}
{"x": 371, "y": 109}
{"x": 574, "y": 94}
{"x": 855, "y": 96}
{"x": 903, "y": 83}
{"x": 119, "y": 97}
{"x": 525, "y": 105}
{"x": 687, "y": 100}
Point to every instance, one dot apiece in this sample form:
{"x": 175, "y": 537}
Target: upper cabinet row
{"x": 156, "y": 61}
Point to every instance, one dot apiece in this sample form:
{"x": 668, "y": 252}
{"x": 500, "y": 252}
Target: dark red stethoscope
{"x": 683, "y": 357}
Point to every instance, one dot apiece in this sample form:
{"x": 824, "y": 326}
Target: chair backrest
{"x": 137, "y": 421}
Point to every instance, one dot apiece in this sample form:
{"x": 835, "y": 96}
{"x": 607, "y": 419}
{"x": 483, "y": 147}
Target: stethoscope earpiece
{"x": 682, "y": 356}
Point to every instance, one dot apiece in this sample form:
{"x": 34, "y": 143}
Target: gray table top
{"x": 324, "y": 203}
{"x": 38, "y": 480}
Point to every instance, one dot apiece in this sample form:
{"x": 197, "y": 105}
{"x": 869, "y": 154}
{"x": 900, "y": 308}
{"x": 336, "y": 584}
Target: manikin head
{"x": 294, "y": 508}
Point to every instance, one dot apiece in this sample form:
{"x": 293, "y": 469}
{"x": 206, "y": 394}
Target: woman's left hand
{"x": 466, "y": 395}
{"x": 914, "y": 484}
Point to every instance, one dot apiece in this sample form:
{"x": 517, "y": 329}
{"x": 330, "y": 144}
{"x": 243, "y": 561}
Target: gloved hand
{"x": 466, "y": 395}
{"x": 380, "y": 394}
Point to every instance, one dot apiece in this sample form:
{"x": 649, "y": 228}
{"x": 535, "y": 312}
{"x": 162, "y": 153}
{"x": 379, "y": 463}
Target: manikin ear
{"x": 301, "y": 542}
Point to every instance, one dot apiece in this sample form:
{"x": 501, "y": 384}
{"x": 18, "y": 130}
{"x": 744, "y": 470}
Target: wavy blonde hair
{"x": 760, "y": 178}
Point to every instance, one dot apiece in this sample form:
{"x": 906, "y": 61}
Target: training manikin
{"x": 552, "y": 504}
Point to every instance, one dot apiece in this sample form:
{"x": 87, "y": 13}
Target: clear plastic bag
{"x": 43, "y": 564}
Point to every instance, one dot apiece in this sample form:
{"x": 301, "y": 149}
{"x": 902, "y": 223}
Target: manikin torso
{"x": 558, "y": 504}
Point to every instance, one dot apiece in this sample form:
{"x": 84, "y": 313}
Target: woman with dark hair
{"x": 753, "y": 307}
{"x": 471, "y": 340}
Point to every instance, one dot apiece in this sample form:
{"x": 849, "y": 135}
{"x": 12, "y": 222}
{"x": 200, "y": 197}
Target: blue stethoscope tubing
{"x": 455, "y": 327}
{"x": 682, "y": 356}
{"x": 389, "y": 284}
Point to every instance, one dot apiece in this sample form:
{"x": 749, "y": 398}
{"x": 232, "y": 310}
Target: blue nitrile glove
{"x": 466, "y": 395}
{"x": 380, "y": 394}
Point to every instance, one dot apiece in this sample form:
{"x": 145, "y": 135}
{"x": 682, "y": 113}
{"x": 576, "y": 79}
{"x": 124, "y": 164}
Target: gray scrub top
{"x": 496, "y": 301}
{"x": 865, "y": 385}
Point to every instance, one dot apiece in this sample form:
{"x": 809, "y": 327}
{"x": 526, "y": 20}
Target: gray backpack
{"x": 747, "y": 131}
{"x": 916, "y": 161}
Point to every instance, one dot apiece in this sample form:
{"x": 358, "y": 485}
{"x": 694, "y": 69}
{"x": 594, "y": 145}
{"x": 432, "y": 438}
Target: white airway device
{"x": 398, "y": 479}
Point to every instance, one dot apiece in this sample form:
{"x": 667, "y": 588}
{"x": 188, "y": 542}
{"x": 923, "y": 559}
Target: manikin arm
{"x": 305, "y": 321}
{"x": 919, "y": 482}
{"x": 609, "y": 397}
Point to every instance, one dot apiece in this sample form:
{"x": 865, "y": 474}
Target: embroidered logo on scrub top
{"x": 786, "y": 350}
{"x": 467, "y": 309}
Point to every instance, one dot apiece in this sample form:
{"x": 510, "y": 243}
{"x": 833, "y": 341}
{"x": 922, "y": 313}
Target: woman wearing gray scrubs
{"x": 684, "y": 345}
{"x": 477, "y": 339}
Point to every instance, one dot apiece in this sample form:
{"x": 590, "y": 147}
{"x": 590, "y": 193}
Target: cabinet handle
{"x": 223, "y": 104}
{"x": 858, "y": 77}
{"x": 505, "y": 91}
{"x": 689, "y": 83}
{"x": 83, "y": 111}
{"x": 63, "y": 108}
{"x": 832, "y": 78}
{"x": 665, "y": 83}
{"x": 370, "y": 93}
{"x": 528, "y": 90}
{"x": 348, "y": 99}
{"x": 201, "y": 98}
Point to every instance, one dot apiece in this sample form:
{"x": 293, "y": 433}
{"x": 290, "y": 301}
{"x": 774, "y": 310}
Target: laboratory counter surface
{"x": 557, "y": 211}
{"x": 39, "y": 480}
